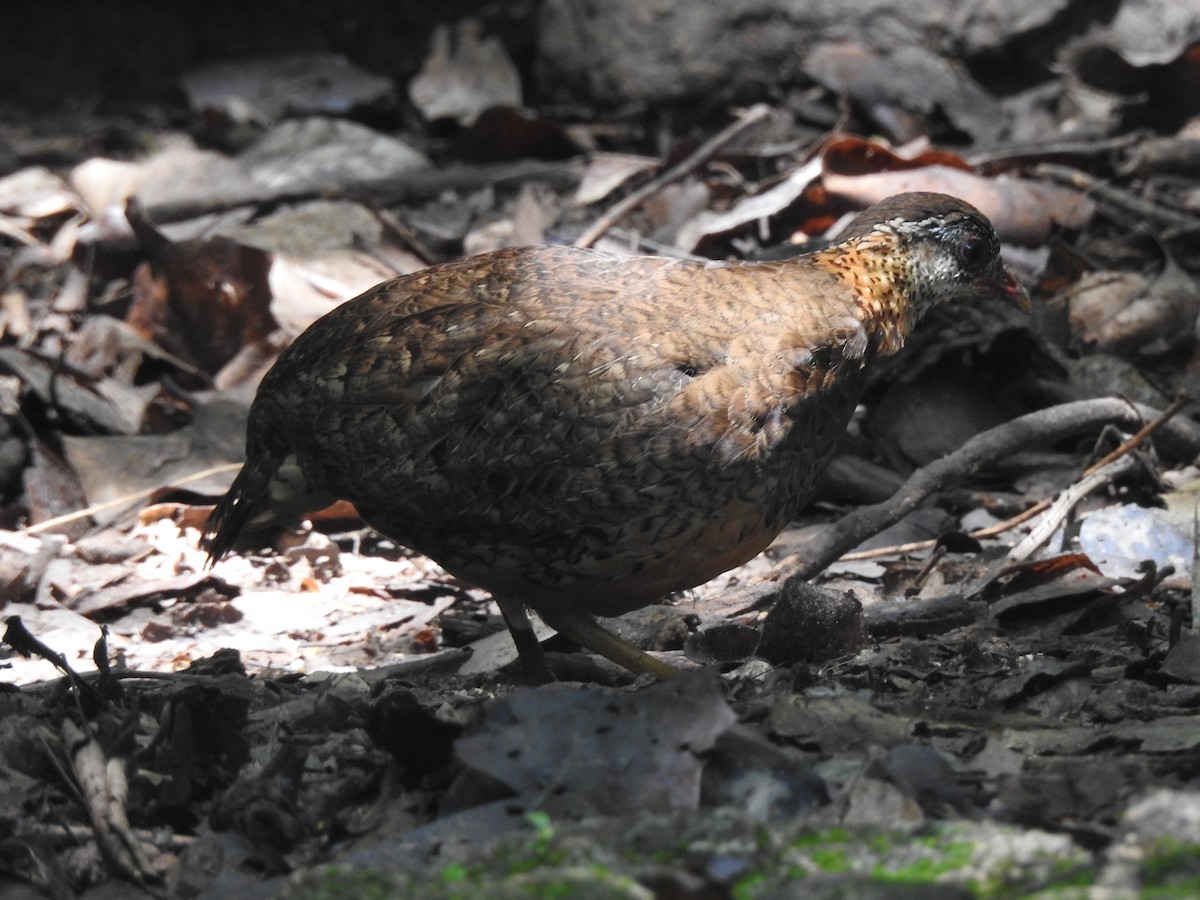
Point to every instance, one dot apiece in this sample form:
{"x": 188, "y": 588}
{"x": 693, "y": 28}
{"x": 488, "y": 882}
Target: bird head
{"x": 936, "y": 248}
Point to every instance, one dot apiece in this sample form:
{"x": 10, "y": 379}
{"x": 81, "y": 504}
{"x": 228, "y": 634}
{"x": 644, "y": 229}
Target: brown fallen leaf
{"x": 502, "y": 133}
{"x": 203, "y": 299}
{"x": 1023, "y": 211}
{"x": 1126, "y": 313}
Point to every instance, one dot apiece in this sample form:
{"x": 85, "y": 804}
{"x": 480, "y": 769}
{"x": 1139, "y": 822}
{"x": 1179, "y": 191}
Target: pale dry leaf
{"x": 605, "y": 172}
{"x": 464, "y": 75}
{"x": 1022, "y": 211}
{"x": 1127, "y": 313}
{"x": 263, "y": 90}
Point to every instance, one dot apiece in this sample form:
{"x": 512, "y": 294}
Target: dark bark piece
{"x": 808, "y": 624}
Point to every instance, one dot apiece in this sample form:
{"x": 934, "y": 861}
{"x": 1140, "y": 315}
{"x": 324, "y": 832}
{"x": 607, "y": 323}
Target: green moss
{"x": 1167, "y": 859}
{"x": 540, "y": 852}
{"x": 542, "y": 826}
{"x": 749, "y": 886}
{"x": 830, "y": 860}
{"x": 544, "y": 861}
{"x": 595, "y": 882}
{"x": 551, "y": 890}
{"x": 941, "y": 859}
{"x": 881, "y": 844}
{"x": 1072, "y": 876}
{"x": 455, "y": 873}
{"x": 335, "y": 883}
{"x": 819, "y": 838}
{"x": 1187, "y": 889}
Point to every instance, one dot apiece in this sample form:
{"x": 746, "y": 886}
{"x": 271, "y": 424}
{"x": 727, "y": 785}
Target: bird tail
{"x": 249, "y": 495}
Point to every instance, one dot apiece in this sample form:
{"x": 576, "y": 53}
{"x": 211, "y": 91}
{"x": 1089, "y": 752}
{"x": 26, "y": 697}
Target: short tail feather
{"x": 245, "y": 499}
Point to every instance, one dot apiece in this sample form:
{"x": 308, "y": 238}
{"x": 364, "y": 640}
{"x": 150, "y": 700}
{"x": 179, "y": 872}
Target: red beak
{"x": 1010, "y": 290}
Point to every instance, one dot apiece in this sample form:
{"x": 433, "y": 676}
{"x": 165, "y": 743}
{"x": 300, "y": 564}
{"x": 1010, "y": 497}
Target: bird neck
{"x": 881, "y": 285}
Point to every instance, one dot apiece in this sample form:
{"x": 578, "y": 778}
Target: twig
{"x": 693, "y": 160}
{"x": 1040, "y": 151}
{"x": 18, "y": 636}
{"x": 389, "y": 190}
{"x": 1043, "y": 426}
{"x": 1118, "y": 198}
{"x": 405, "y": 233}
{"x": 918, "y": 546}
{"x": 1041, "y": 506}
{"x": 58, "y": 833}
{"x": 1138, "y": 437}
{"x": 127, "y": 499}
{"x": 1195, "y": 624}
{"x": 1093, "y": 479}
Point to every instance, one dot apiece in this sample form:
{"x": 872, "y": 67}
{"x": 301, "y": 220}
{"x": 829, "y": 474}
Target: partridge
{"x": 583, "y": 433}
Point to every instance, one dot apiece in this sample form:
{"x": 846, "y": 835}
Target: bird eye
{"x": 972, "y": 250}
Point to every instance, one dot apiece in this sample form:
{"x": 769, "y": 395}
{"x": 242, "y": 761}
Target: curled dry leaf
{"x": 105, "y": 186}
{"x": 264, "y": 90}
{"x": 1126, "y": 313}
{"x": 1142, "y": 69}
{"x": 502, "y": 133}
{"x": 1169, "y": 155}
{"x": 532, "y": 214}
{"x": 1149, "y": 32}
{"x": 35, "y": 194}
{"x": 1023, "y": 211}
{"x": 463, "y": 77}
{"x": 753, "y": 208}
{"x": 204, "y": 299}
{"x": 99, "y": 402}
{"x": 105, "y": 790}
{"x": 902, "y": 86}
{"x": 605, "y": 172}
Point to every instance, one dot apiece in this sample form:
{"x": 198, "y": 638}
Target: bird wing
{"x": 520, "y": 398}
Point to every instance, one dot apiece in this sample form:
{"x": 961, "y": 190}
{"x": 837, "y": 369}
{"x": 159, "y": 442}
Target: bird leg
{"x": 529, "y": 648}
{"x": 590, "y": 634}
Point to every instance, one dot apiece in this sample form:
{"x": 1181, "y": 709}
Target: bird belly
{"x": 604, "y": 572}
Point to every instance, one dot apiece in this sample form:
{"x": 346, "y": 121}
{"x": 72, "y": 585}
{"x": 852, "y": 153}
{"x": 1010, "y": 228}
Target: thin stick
{"x": 1195, "y": 615}
{"x": 1118, "y": 198}
{"x": 917, "y": 546}
{"x": 127, "y": 499}
{"x": 984, "y": 449}
{"x": 692, "y": 161}
{"x": 1142, "y": 433}
{"x": 1134, "y": 441}
{"x": 1064, "y": 503}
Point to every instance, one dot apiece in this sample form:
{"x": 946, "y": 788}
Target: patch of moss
{"x": 455, "y": 873}
{"x": 881, "y": 844}
{"x": 1070, "y": 880}
{"x": 335, "y": 883}
{"x": 943, "y": 858}
{"x": 1167, "y": 860}
{"x": 820, "y": 838}
{"x": 1071, "y": 876}
{"x": 1187, "y": 889}
{"x": 795, "y": 873}
{"x": 830, "y": 860}
{"x": 540, "y": 852}
{"x": 551, "y": 890}
{"x": 749, "y": 887}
